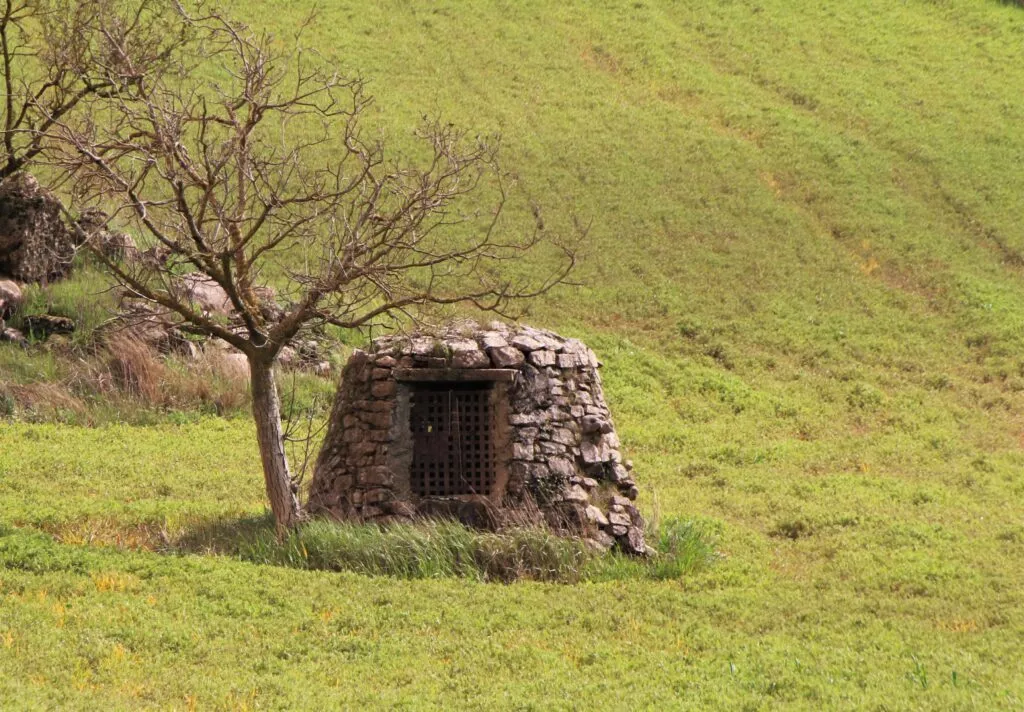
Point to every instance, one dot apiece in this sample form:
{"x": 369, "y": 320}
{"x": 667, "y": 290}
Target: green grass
{"x": 88, "y": 299}
{"x": 804, "y": 281}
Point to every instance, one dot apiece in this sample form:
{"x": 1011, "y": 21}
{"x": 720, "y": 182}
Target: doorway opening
{"x": 453, "y": 433}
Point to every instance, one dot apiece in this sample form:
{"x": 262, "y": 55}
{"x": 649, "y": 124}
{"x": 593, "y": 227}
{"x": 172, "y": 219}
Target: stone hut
{"x": 494, "y": 427}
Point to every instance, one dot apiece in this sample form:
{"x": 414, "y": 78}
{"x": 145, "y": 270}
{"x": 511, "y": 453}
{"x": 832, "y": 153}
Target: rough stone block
{"x": 557, "y": 414}
{"x": 619, "y": 473}
{"x": 353, "y": 435}
{"x": 548, "y": 339}
{"x": 563, "y": 436}
{"x": 383, "y": 389}
{"x": 376, "y": 496}
{"x": 569, "y": 361}
{"x": 506, "y": 357}
{"x": 522, "y": 451}
{"x": 543, "y": 358}
{"x": 422, "y": 347}
{"x": 494, "y": 340}
{"x": 526, "y": 434}
{"x": 526, "y": 343}
{"x": 11, "y": 298}
{"x": 596, "y": 516}
{"x": 459, "y": 344}
{"x": 595, "y": 424}
{"x": 343, "y": 482}
{"x": 619, "y": 518}
{"x": 523, "y": 419}
{"x": 577, "y": 494}
{"x": 470, "y": 359}
{"x": 561, "y": 466}
{"x": 593, "y": 452}
{"x": 377, "y": 476}
{"x": 377, "y": 420}
{"x": 601, "y": 541}
{"x": 634, "y": 542}
{"x": 549, "y": 448}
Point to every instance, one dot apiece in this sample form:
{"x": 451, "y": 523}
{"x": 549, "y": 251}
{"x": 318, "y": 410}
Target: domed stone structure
{"x": 492, "y": 426}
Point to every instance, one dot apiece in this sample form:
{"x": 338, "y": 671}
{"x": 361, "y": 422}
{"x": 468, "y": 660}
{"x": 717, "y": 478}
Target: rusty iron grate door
{"x": 453, "y": 452}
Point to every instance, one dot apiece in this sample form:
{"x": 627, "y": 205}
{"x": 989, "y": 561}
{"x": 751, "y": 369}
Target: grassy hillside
{"x": 804, "y": 278}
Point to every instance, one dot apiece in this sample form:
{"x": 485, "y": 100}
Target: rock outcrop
{"x": 207, "y": 296}
{"x": 11, "y": 298}
{"x": 43, "y": 326}
{"x": 117, "y": 246}
{"x": 35, "y": 243}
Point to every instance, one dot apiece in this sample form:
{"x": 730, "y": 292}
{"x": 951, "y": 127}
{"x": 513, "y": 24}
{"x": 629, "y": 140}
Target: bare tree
{"x": 56, "y": 55}
{"x": 264, "y": 176}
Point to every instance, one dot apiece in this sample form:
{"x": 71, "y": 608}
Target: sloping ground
{"x": 804, "y": 279}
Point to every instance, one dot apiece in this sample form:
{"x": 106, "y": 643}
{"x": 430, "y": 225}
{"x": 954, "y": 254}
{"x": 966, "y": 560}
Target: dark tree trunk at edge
{"x": 266, "y": 410}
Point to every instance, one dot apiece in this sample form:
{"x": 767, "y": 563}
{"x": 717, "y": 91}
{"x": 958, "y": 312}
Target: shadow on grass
{"x": 224, "y": 536}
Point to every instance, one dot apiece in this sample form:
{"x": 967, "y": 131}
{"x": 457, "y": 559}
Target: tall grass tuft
{"x": 437, "y": 549}
{"x": 680, "y": 547}
{"x": 136, "y": 368}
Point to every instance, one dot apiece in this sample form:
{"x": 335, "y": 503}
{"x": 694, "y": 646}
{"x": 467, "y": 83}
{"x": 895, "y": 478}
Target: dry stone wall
{"x": 556, "y": 452}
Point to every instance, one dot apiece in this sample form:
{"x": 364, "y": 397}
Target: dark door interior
{"x": 453, "y": 450}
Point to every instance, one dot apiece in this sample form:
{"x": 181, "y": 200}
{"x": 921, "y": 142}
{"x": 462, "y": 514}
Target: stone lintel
{"x": 505, "y": 375}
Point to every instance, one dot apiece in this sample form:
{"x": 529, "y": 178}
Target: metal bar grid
{"x": 453, "y": 452}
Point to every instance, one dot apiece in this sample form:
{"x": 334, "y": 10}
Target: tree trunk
{"x": 266, "y": 411}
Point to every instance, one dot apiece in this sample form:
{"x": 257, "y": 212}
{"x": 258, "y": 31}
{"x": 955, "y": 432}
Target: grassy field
{"x": 804, "y": 281}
